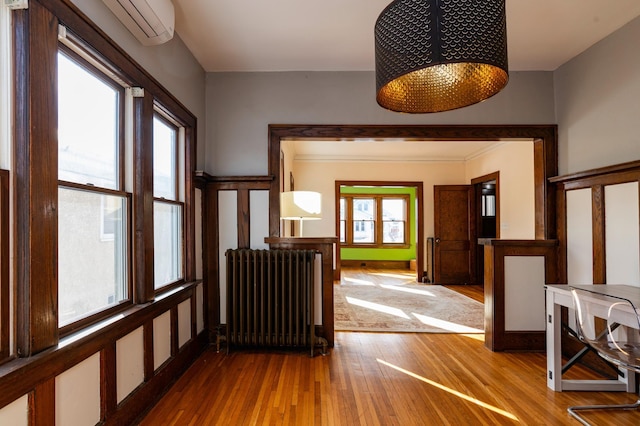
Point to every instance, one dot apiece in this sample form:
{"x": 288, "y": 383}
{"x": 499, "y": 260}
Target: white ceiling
{"x": 337, "y": 35}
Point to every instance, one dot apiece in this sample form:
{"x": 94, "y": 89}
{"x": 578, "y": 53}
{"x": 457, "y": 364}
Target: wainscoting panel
{"x": 524, "y": 279}
{"x": 579, "y": 236}
{"x": 228, "y": 237}
{"x": 199, "y": 308}
{"x": 129, "y": 363}
{"x": 161, "y": 339}
{"x": 622, "y": 237}
{"x": 78, "y": 394}
{"x": 259, "y": 220}
{"x": 16, "y": 413}
{"x": 184, "y": 322}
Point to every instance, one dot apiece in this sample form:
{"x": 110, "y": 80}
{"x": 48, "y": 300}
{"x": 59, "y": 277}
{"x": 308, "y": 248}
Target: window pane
{"x": 167, "y": 243}
{"x": 87, "y": 127}
{"x": 363, "y": 232}
{"x": 343, "y": 231}
{"x": 393, "y": 232}
{"x": 343, "y": 209}
{"x": 91, "y": 253}
{"x": 393, "y": 209}
{"x": 164, "y": 160}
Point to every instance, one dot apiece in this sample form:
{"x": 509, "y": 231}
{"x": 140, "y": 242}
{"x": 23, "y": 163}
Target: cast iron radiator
{"x": 270, "y": 298}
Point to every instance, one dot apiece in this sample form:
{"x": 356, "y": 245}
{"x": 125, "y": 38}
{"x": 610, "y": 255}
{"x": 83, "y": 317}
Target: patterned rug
{"x": 405, "y": 307}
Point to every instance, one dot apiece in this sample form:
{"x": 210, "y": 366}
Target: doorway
{"x": 487, "y": 215}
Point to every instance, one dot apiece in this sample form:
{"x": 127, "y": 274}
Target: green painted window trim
{"x": 393, "y": 254}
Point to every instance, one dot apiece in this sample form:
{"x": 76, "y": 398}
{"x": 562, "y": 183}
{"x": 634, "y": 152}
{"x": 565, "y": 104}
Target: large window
{"x": 168, "y": 207}
{"x": 93, "y": 208}
{"x": 374, "y": 220}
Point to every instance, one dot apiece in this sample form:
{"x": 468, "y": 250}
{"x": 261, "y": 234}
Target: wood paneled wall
{"x": 597, "y": 182}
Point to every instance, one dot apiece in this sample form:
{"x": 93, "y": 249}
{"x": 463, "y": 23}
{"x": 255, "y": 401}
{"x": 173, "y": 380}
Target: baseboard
{"x": 375, "y": 264}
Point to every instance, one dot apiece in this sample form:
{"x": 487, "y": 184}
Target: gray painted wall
{"x": 598, "y": 103}
{"x": 172, "y": 64}
{"x": 240, "y": 106}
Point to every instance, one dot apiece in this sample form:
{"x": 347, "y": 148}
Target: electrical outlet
{"x": 17, "y": 4}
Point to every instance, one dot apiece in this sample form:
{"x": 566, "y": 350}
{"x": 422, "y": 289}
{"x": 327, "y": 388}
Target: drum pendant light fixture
{"x": 439, "y": 55}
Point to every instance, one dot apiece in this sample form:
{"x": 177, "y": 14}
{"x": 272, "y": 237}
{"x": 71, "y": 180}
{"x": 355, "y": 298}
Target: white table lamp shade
{"x": 300, "y": 205}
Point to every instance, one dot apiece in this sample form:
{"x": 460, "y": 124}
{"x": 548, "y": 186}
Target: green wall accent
{"x": 348, "y": 253}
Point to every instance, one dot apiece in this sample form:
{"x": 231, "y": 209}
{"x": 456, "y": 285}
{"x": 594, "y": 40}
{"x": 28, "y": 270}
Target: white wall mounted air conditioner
{"x": 150, "y": 21}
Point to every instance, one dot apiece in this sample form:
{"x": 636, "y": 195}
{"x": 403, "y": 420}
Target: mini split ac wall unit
{"x": 150, "y": 21}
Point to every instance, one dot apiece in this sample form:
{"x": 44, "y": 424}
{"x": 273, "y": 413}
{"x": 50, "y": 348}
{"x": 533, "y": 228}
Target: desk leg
{"x": 554, "y": 347}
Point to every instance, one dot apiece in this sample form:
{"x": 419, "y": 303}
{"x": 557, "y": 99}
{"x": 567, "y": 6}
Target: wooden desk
{"x": 558, "y": 296}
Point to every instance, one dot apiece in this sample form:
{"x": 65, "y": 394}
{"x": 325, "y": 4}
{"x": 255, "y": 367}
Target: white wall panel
{"x": 161, "y": 339}
{"x": 228, "y": 219}
{"x": 78, "y": 394}
{"x": 524, "y": 293}
{"x": 579, "y": 237}
{"x": 259, "y": 229}
{"x": 184, "y": 322}
{"x": 16, "y": 413}
{"x": 129, "y": 363}
{"x": 199, "y": 308}
{"x": 622, "y": 236}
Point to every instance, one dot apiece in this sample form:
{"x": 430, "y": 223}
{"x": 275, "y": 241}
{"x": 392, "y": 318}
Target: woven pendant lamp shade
{"x": 439, "y": 55}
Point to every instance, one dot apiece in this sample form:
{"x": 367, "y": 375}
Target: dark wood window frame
{"x": 118, "y": 191}
{"x": 162, "y": 114}
{"x": 378, "y": 221}
{"x": 36, "y": 176}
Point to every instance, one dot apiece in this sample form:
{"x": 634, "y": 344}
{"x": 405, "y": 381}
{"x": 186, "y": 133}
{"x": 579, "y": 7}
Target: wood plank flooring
{"x": 377, "y": 379}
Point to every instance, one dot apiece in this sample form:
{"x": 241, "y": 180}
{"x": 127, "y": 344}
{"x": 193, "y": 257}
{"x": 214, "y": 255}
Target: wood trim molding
{"x": 545, "y": 155}
{"x": 497, "y": 338}
{"x": 36, "y": 178}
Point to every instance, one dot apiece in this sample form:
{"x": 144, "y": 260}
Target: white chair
{"x": 602, "y": 336}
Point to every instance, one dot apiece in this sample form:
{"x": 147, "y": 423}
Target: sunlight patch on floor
{"x": 377, "y": 307}
{"x": 446, "y": 325}
{"x": 357, "y": 281}
{"x": 451, "y": 391}
{"x": 475, "y": 336}
{"x": 407, "y": 290}
{"x": 398, "y": 275}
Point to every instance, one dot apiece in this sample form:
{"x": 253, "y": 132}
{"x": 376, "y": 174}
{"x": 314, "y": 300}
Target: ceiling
{"x": 337, "y": 35}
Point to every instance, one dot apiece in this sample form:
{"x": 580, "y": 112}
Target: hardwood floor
{"x": 377, "y": 379}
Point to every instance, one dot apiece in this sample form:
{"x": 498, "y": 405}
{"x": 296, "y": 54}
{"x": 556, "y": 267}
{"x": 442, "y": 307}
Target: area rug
{"x": 405, "y": 307}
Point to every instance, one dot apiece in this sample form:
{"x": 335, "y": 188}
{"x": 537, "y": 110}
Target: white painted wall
{"x": 161, "y": 339}
{"x": 622, "y": 236}
{"x": 524, "y": 293}
{"x": 129, "y": 363}
{"x": 579, "y": 237}
{"x": 16, "y": 413}
{"x": 78, "y": 394}
{"x": 321, "y": 176}
{"x": 514, "y": 161}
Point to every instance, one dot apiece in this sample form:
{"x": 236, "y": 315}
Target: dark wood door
{"x": 454, "y": 258}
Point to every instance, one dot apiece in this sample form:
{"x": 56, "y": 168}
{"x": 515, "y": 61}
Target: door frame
{"x": 419, "y": 219}
{"x": 545, "y": 146}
